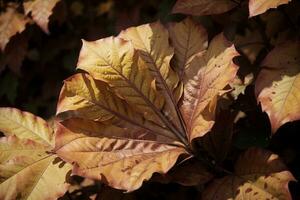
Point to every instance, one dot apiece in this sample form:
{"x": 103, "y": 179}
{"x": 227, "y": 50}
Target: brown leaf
{"x": 203, "y": 7}
{"x": 207, "y": 76}
{"x": 277, "y": 86}
{"x": 40, "y": 11}
{"x": 11, "y": 23}
{"x": 259, "y": 174}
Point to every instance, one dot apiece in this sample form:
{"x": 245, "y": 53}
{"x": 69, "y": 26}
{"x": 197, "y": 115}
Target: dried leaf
{"x": 259, "y": 174}
{"x": 40, "y": 11}
{"x": 188, "y": 39}
{"x": 203, "y": 7}
{"x": 278, "y": 84}
{"x": 257, "y": 7}
{"x": 207, "y": 76}
{"x": 27, "y": 170}
{"x": 11, "y": 23}
{"x": 124, "y": 163}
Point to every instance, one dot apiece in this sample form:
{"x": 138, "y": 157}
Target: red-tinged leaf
{"x": 124, "y": 163}
{"x": 40, "y": 11}
{"x": 259, "y": 174}
{"x": 11, "y": 23}
{"x": 257, "y": 7}
{"x": 203, "y": 7}
{"x": 278, "y": 84}
{"x": 205, "y": 79}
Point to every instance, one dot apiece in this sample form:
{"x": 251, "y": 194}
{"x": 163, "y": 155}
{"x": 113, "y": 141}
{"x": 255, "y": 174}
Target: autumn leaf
{"x": 11, "y": 23}
{"x": 40, "y": 11}
{"x": 205, "y": 79}
{"x": 27, "y": 169}
{"x": 122, "y": 162}
{"x": 277, "y": 86}
{"x": 257, "y": 7}
{"x": 259, "y": 174}
{"x": 203, "y": 7}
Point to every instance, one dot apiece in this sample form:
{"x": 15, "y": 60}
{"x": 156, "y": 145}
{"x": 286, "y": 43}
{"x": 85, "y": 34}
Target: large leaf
{"x": 257, "y": 7}
{"x": 40, "y": 11}
{"x": 27, "y": 169}
{"x": 259, "y": 174}
{"x": 188, "y": 39}
{"x": 152, "y": 44}
{"x": 11, "y": 23}
{"x": 123, "y": 163}
{"x": 203, "y": 7}
{"x": 205, "y": 79}
{"x": 84, "y": 97}
{"x": 278, "y": 84}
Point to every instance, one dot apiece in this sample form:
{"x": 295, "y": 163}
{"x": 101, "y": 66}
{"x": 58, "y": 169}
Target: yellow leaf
{"x": 124, "y": 163}
{"x": 257, "y": 7}
{"x": 259, "y": 174}
{"x": 11, "y": 23}
{"x": 152, "y": 44}
{"x": 188, "y": 39}
{"x": 25, "y": 126}
{"x": 207, "y": 76}
{"x": 84, "y": 97}
{"x": 278, "y": 84}
{"x": 203, "y": 7}
{"x": 28, "y": 172}
{"x": 40, "y": 11}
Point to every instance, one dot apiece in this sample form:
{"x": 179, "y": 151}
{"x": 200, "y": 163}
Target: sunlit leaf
{"x": 11, "y": 23}
{"x": 40, "y": 11}
{"x": 259, "y": 174}
{"x": 123, "y": 163}
{"x": 278, "y": 84}
{"x": 205, "y": 79}
{"x": 257, "y": 7}
{"x": 203, "y": 7}
{"x": 27, "y": 168}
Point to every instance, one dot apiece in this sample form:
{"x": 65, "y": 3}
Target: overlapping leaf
{"x": 27, "y": 170}
{"x": 278, "y": 84}
{"x": 259, "y": 174}
{"x": 11, "y": 23}
{"x": 207, "y": 76}
{"x": 120, "y": 121}
{"x": 203, "y": 7}
{"x": 257, "y": 7}
{"x": 40, "y": 11}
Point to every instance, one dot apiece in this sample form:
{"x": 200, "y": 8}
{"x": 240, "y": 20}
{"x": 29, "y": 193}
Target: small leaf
{"x": 203, "y": 7}
{"x": 40, "y": 11}
{"x": 278, "y": 84}
{"x": 11, "y": 23}
{"x": 124, "y": 163}
{"x": 259, "y": 174}
{"x": 25, "y": 126}
{"x": 205, "y": 79}
{"x": 257, "y": 7}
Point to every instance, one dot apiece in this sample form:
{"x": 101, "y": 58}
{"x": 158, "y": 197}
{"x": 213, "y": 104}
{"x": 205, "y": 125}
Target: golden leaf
{"x": 11, "y": 23}
{"x": 278, "y": 84}
{"x": 40, "y": 11}
{"x": 257, "y": 7}
{"x": 259, "y": 174}
{"x": 124, "y": 163}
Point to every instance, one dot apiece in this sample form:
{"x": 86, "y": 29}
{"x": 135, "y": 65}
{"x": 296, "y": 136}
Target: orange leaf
{"x": 257, "y": 7}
